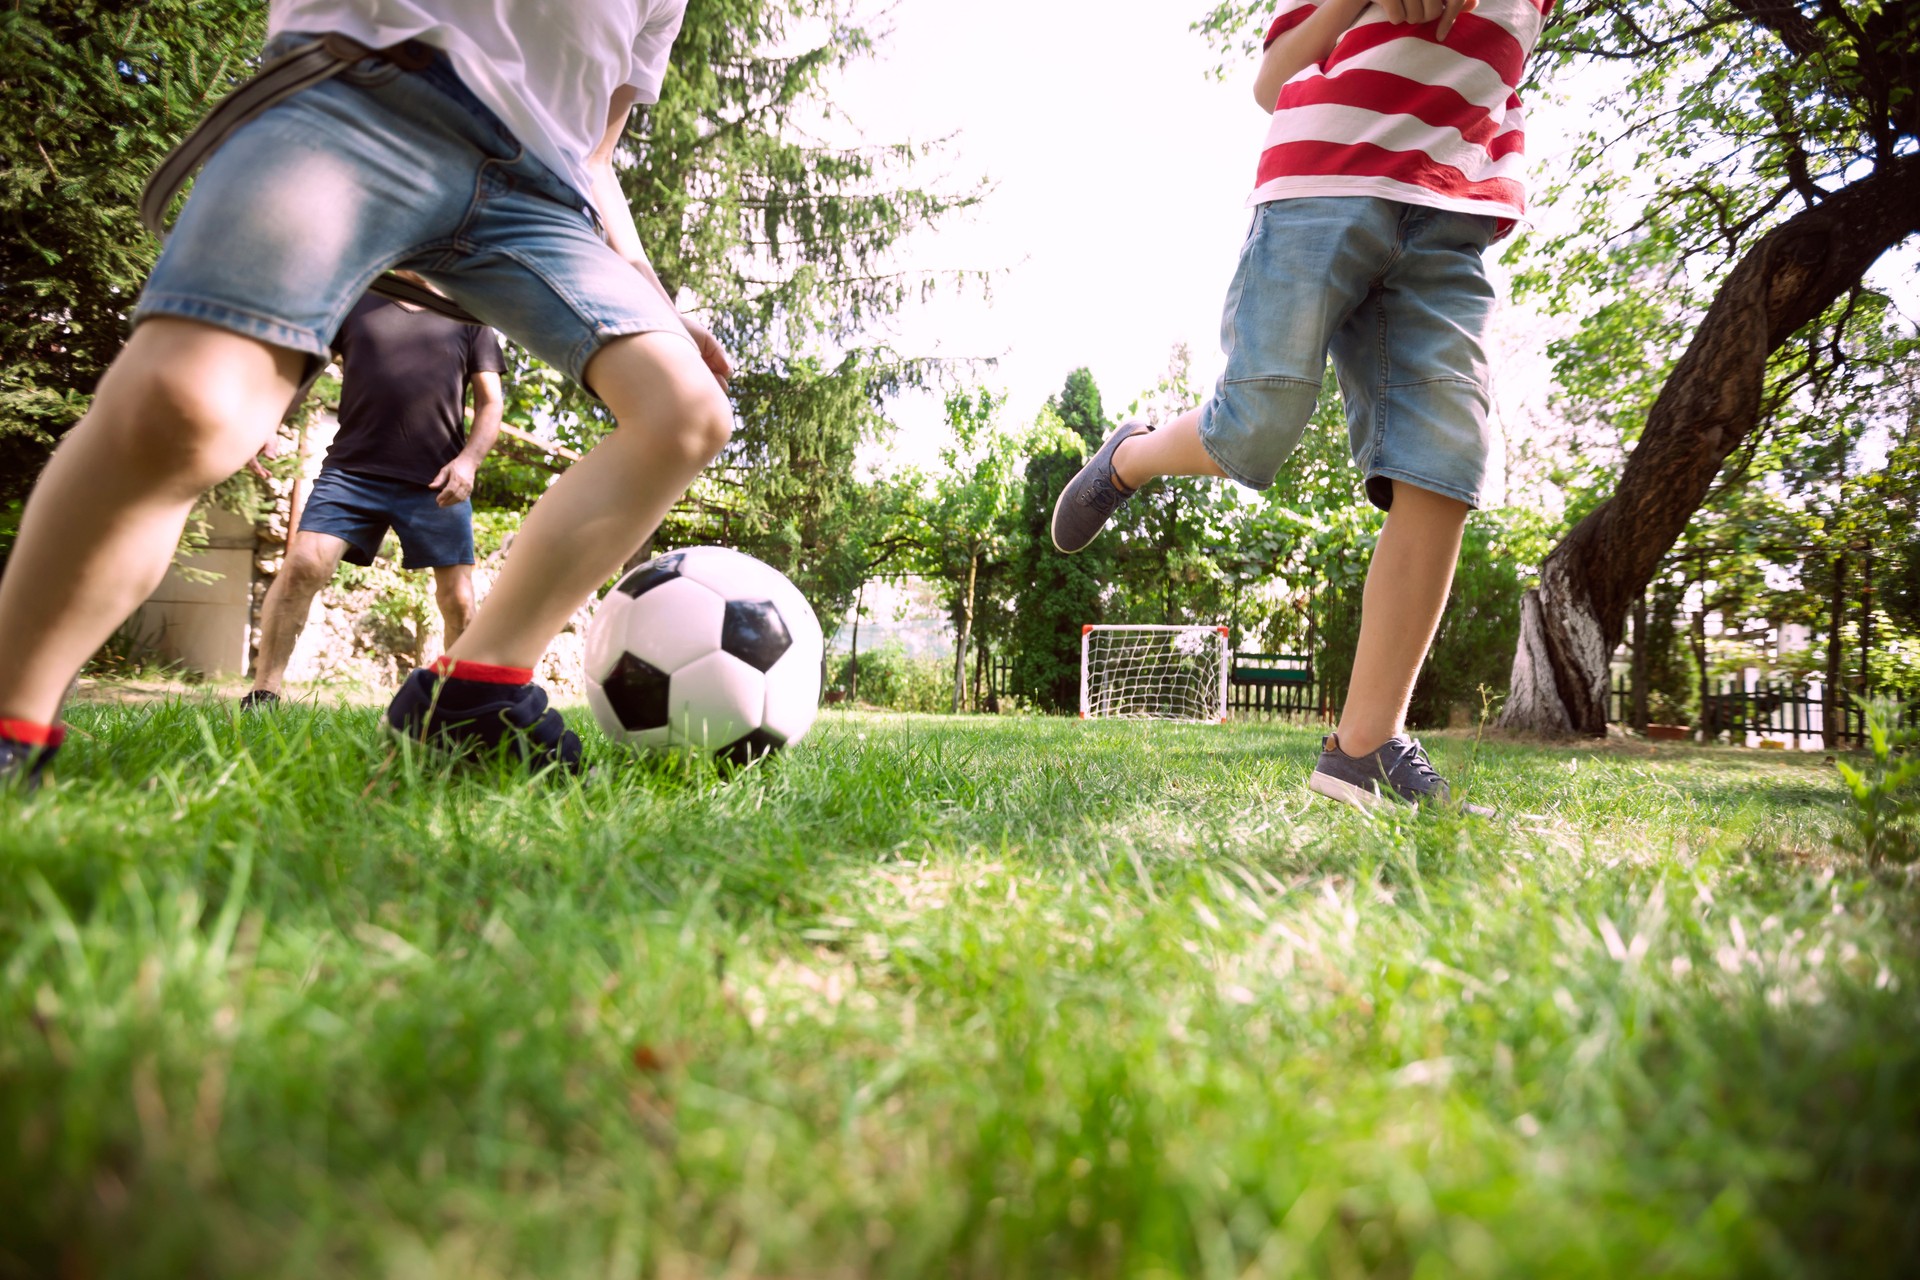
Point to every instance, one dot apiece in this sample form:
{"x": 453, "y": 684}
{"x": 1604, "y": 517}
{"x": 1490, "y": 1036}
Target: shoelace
{"x": 1104, "y": 495}
{"x": 1415, "y": 755}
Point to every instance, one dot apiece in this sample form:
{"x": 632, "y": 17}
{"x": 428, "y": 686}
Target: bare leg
{"x": 1171, "y": 450}
{"x": 453, "y": 591}
{"x": 673, "y": 418}
{"x": 311, "y": 561}
{"x": 1407, "y": 586}
{"x": 182, "y": 408}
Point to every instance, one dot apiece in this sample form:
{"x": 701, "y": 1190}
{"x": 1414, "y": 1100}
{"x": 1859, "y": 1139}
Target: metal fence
{"x": 1779, "y": 711}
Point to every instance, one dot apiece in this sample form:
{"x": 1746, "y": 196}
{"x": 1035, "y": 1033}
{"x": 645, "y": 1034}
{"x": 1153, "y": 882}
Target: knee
{"x": 455, "y": 600}
{"x": 691, "y": 426}
{"x": 705, "y": 424}
{"x": 304, "y": 575}
{"x": 178, "y": 423}
{"x": 190, "y": 403}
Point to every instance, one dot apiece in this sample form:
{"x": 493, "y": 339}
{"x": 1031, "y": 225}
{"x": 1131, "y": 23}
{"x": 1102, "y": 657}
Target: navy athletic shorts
{"x": 360, "y": 509}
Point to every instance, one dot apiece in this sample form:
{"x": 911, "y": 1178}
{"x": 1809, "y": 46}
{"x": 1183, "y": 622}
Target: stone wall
{"x": 355, "y": 635}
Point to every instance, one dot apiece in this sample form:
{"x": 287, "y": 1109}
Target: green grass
{"x": 992, "y": 998}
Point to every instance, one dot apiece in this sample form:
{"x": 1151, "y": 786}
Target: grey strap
{"x": 299, "y": 68}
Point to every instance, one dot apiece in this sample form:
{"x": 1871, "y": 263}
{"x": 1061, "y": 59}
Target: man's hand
{"x": 454, "y": 481}
{"x": 1443, "y": 11}
{"x": 711, "y": 352}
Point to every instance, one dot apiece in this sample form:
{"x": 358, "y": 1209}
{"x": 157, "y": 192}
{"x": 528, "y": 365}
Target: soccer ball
{"x": 705, "y": 648}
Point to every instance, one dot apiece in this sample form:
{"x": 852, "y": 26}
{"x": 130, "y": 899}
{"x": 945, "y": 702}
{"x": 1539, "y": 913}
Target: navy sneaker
{"x": 475, "y": 718}
{"x": 1395, "y": 773}
{"x": 23, "y": 765}
{"x": 1093, "y": 495}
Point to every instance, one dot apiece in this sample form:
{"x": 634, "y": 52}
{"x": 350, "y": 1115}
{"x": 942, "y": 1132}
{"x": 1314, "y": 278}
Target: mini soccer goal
{"x": 1154, "y": 673}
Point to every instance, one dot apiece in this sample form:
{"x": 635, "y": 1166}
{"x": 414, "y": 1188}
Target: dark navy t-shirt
{"x": 404, "y": 389}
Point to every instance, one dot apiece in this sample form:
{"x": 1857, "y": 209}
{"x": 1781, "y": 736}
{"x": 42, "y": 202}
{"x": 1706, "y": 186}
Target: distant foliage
{"x": 890, "y": 678}
{"x": 92, "y": 94}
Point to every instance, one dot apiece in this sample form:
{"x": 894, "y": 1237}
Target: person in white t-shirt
{"x": 479, "y": 153}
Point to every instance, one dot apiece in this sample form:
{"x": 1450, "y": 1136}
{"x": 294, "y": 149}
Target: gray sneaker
{"x": 1093, "y": 495}
{"x": 1396, "y": 773}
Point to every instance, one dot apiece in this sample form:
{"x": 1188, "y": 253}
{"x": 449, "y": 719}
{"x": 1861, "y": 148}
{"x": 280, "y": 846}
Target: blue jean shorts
{"x": 298, "y": 212}
{"x": 359, "y": 509}
{"x": 1398, "y": 293}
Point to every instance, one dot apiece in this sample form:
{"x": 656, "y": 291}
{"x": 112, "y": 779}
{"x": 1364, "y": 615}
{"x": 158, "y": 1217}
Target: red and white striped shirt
{"x": 1393, "y": 113}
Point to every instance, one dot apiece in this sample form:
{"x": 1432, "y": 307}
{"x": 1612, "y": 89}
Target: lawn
{"x": 975, "y": 997}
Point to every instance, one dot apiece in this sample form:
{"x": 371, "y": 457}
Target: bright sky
{"x": 1121, "y": 169}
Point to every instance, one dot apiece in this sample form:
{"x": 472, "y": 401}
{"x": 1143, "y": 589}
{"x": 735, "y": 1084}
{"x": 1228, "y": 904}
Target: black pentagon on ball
{"x": 650, "y": 575}
{"x": 637, "y": 692}
{"x": 746, "y": 750}
{"x": 755, "y": 633}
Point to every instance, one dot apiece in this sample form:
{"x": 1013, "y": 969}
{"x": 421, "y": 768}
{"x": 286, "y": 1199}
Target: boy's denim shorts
{"x": 1400, "y": 296}
{"x": 359, "y": 509}
{"x": 297, "y": 213}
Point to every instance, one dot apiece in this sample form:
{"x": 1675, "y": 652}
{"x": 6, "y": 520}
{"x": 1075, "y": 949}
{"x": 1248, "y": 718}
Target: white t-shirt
{"x": 548, "y": 68}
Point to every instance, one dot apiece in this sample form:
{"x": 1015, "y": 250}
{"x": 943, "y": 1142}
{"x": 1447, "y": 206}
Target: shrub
{"x": 889, "y": 678}
{"x": 1886, "y": 794}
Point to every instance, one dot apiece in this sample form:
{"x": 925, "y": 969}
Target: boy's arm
{"x": 1313, "y": 40}
{"x": 624, "y": 237}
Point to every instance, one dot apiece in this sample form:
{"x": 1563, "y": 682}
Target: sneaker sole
{"x": 1364, "y": 799}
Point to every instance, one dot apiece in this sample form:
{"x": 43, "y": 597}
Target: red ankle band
{"x": 31, "y": 733}
{"x": 482, "y": 672}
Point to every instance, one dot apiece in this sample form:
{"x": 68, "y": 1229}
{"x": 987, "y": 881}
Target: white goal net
{"x": 1154, "y": 673}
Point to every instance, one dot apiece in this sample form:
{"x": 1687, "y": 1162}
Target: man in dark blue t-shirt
{"x": 403, "y": 459}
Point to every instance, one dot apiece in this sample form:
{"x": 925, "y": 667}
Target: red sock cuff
{"x": 32, "y": 733}
{"x": 483, "y": 672}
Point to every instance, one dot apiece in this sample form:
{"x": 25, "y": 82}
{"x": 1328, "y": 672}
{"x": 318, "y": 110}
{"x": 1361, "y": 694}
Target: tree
{"x": 92, "y": 94}
{"x": 966, "y": 517}
{"x": 1057, "y": 595}
{"x": 1786, "y": 134}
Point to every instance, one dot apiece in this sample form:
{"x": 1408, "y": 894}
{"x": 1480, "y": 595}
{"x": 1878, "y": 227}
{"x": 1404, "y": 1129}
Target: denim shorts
{"x": 359, "y": 509}
{"x": 1400, "y": 296}
{"x": 297, "y": 213}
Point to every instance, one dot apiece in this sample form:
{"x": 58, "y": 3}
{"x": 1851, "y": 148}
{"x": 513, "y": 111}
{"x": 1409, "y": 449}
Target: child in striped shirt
{"x": 1393, "y": 160}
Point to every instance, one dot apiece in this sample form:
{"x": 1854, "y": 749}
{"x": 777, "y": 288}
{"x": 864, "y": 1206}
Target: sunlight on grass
{"x": 973, "y": 997}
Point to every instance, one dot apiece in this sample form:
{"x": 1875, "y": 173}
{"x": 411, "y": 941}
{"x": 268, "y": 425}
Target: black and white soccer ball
{"x": 705, "y": 648}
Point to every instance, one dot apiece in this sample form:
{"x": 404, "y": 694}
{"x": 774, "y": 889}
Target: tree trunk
{"x": 1834, "y": 707}
{"x": 979, "y": 676}
{"x": 1637, "y": 716}
{"x": 966, "y": 634}
{"x": 853, "y": 659}
{"x": 1866, "y": 625}
{"x": 1572, "y": 622}
{"x": 1697, "y": 643}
